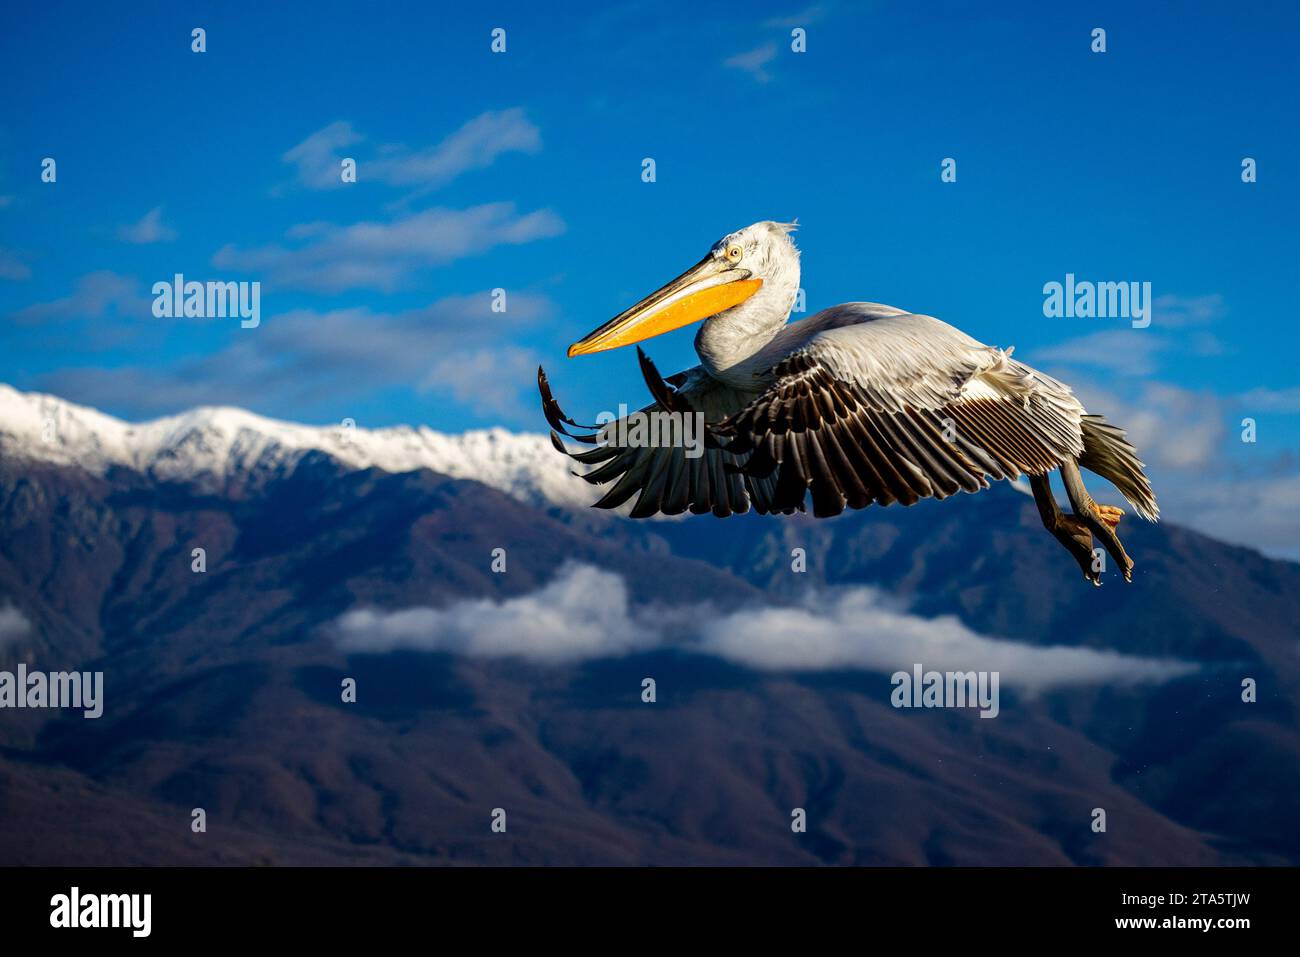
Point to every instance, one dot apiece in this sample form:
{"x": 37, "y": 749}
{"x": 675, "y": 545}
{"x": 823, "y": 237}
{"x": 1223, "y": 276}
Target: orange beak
{"x": 706, "y": 289}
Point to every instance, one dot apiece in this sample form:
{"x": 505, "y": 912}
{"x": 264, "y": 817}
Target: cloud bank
{"x": 558, "y": 623}
{"x": 846, "y": 629}
{"x": 855, "y": 628}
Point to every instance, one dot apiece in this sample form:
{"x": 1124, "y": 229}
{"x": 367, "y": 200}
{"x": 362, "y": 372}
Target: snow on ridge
{"x": 217, "y": 443}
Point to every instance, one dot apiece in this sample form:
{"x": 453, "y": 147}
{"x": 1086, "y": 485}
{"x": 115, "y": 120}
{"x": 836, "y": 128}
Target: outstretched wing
{"x": 898, "y": 408}
{"x": 668, "y": 479}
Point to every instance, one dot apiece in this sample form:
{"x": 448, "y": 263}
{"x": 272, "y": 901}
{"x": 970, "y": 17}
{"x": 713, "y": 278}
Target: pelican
{"x": 861, "y": 403}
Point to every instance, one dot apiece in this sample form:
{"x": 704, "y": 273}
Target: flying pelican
{"x": 857, "y": 404}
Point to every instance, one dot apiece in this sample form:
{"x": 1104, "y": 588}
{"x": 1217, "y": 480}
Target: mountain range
{"x": 500, "y": 636}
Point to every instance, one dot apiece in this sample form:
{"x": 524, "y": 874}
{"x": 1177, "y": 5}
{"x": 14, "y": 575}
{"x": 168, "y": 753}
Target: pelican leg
{"x": 1070, "y": 531}
{"x": 1102, "y": 519}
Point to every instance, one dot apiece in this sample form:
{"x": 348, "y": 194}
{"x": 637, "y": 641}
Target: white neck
{"x": 728, "y": 340}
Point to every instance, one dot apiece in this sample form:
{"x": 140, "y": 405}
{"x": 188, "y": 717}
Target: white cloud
{"x": 475, "y": 378}
{"x": 754, "y": 62}
{"x": 376, "y": 255}
{"x": 1187, "y": 438}
{"x": 309, "y": 355}
{"x": 1196, "y": 464}
{"x": 854, "y": 628}
{"x": 1129, "y": 352}
{"x": 1136, "y": 352}
{"x": 150, "y": 228}
{"x": 14, "y": 626}
{"x": 1259, "y": 511}
{"x": 585, "y": 613}
{"x": 1173, "y": 428}
{"x": 476, "y": 145}
{"x": 318, "y": 157}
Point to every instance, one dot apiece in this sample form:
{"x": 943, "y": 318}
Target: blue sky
{"x": 522, "y": 171}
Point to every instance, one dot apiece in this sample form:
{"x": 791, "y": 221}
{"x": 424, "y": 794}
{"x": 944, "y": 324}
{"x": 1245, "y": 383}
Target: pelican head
{"x": 735, "y": 270}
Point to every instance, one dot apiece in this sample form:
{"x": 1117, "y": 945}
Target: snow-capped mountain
{"x": 213, "y": 446}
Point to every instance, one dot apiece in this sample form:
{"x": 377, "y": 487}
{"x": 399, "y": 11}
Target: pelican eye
{"x": 734, "y": 252}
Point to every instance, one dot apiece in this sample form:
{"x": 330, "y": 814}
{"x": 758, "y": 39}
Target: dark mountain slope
{"x": 223, "y": 689}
